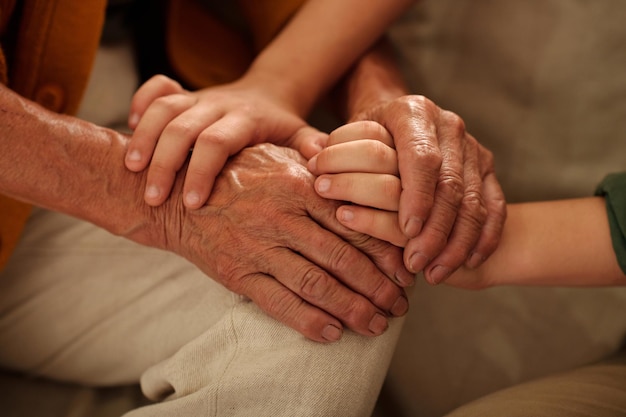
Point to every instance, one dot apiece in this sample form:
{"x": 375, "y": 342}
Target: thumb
{"x": 308, "y": 141}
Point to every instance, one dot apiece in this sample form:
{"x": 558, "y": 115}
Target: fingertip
{"x": 413, "y": 227}
{"x": 475, "y": 260}
{"x": 133, "y": 160}
{"x": 133, "y": 120}
{"x": 153, "y": 195}
{"x": 405, "y": 278}
{"x": 378, "y": 325}
{"x": 332, "y": 333}
{"x": 193, "y": 200}
{"x": 312, "y": 164}
{"x": 345, "y": 215}
{"x": 322, "y": 185}
{"x": 416, "y": 262}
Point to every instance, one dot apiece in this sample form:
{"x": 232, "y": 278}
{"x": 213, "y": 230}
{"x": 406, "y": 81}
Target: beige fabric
{"x": 542, "y": 83}
{"x": 84, "y": 306}
{"x": 81, "y": 305}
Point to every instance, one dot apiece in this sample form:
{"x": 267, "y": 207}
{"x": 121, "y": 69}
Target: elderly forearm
{"x": 68, "y": 165}
{"x": 374, "y": 79}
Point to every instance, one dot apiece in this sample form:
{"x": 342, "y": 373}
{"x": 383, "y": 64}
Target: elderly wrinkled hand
{"x": 267, "y": 235}
{"x": 451, "y": 207}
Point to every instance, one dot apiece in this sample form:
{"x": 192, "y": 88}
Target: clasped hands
{"x": 305, "y": 258}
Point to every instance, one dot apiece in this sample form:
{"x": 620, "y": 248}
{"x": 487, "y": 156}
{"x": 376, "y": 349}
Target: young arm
{"x": 558, "y": 243}
{"x": 268, "y": 103}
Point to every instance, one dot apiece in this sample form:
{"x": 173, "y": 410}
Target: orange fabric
{"x": 202, "y": 50}
{"x": 205, "y": 52}
{"x": 267, "y": 18}
{"x": 55, "y": 44}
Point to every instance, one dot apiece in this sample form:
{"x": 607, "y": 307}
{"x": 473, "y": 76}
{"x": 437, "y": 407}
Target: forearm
{"x": 320, "y": 43}
{"x": 64, "y": 164}
{"x": 374, "y": 79}
{"x": 557, "y": 243}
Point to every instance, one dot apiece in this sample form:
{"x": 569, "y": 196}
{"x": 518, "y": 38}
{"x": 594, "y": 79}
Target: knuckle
{"x": 378, "y": 151}
{"x": 169, "y": 102}
{"x": 455, "y": 122}
{"x": 161, "y": 167}
{"x": 391, "y": 187}
{"x": 342, "y": 257}
{"x": 213, "y": 137}
{"x": 179, "y": 128}
{"x": 451, "y": 188}
{"x": 281, "y": 303}
{"x": 358, "y": 313}
{"x": 201, "y": 171}
{"x": 474, "y": 205}
{"x": 315, "y": 284}
{"x": 162, "y": 79}
{"x": 428, "y": 153}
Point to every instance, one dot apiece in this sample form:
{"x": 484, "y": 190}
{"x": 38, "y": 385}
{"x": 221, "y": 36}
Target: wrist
{"x": 280, "y": 88}
{"x": 374, "y": 80}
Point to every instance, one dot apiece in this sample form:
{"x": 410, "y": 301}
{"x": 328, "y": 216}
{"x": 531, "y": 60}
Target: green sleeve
{"x": 613, "y": 188}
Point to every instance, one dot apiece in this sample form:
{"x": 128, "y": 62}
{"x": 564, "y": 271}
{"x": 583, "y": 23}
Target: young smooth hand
{"x": 208, "y": 126}
{"x": 360, "y": 166}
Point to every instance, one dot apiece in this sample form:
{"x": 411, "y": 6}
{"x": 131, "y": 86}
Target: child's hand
{"x": 170, "y": 123}
{"x": 360, "y": 166}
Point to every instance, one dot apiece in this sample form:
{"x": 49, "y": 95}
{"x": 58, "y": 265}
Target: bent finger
{"x": 288, "y": 308}
{"x": 366, "y": 155}
{"x": 494, "y": 223}
{"x": 374, "y": 190}
{"x": 308, "y": 141}
{"x": 155, "y": 87}
{"x": 145, "y": 137}
{"x": 214, "y": 145}
{"x": 320, "y": 289}
{"x": 364, "y": 129}
{"x": 469, "y": 221}
{"x": 380, "y": 224}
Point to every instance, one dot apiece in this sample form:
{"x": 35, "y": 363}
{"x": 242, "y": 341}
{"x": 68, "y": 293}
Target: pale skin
{"x": 303, "y": 267}
{"x": 267, "y": 104}
{"x": 551, "y": 243}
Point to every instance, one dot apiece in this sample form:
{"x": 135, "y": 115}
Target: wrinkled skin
{"x": 267, "y": 235}
{"x": 452, "y": 208}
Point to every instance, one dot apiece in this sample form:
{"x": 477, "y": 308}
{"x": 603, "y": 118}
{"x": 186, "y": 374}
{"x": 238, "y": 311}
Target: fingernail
{"x": 378, "y": 325}
{"x": 323, "y": 185}
{"x": 133, "y": 119}
{"x": 417, "y": 262}
{"x": 133, "y": 156}
{"x": 317, "y": 147}
{"x": 332, "y": 333}
{"x": 405, "y": 278}
{"x": 439, "y": 273}
{"x": 413, "y": 227}
{"x": 312, "y": 164}
{"x": 192, "y": 198}
{"x": 152, "y": 192}
{"x": 475, "y": 260}
{"x": 400, "y": 307}
{"x": 346, "y": 215}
